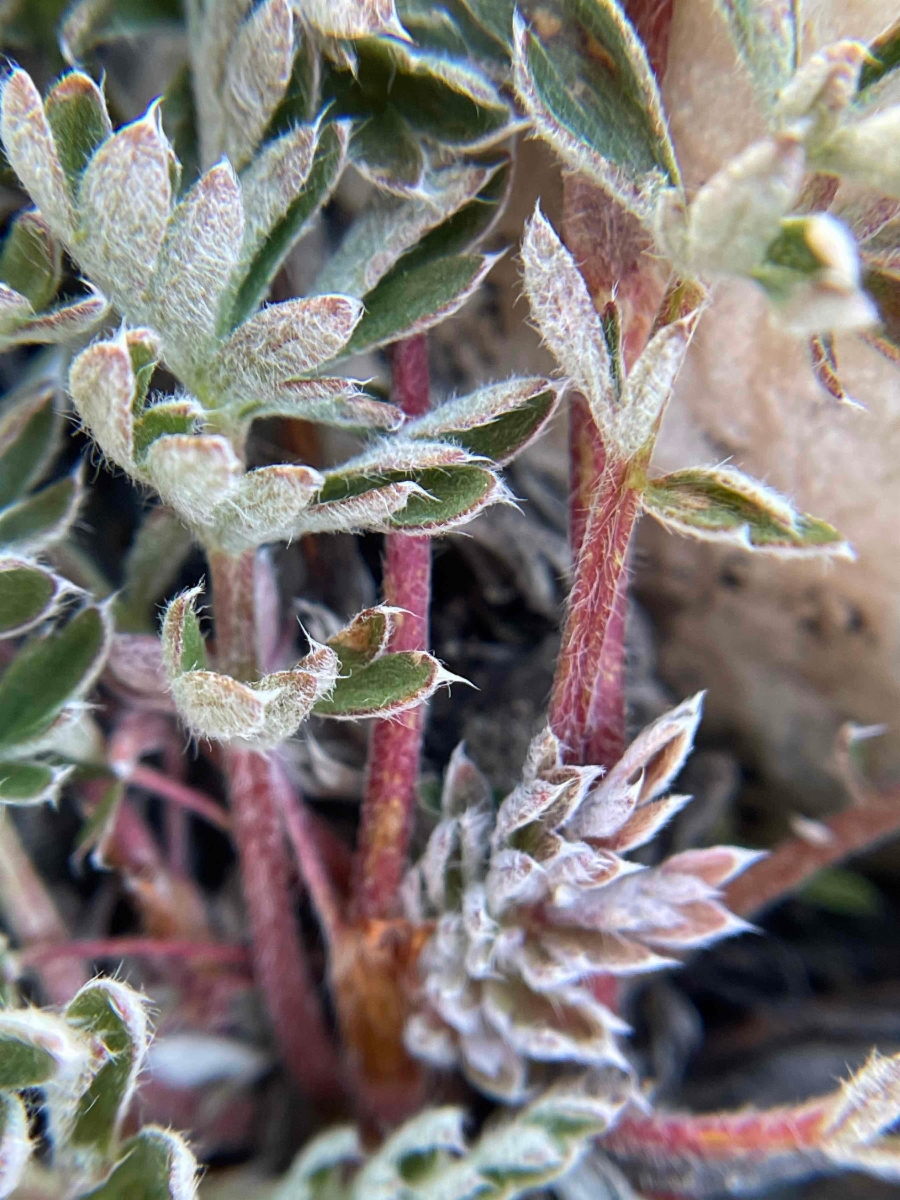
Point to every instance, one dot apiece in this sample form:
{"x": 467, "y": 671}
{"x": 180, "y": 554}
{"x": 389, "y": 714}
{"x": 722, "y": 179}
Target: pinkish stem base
{"x": 277, "y": 952}
{"x": 586, "y": 712}
{"x": 279, "y": 961}
{"x": 396, "y": 745}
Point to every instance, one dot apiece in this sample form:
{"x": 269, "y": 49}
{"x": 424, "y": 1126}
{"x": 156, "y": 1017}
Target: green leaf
{"x": 496, "y": 16}
{"x": 389, "y": 227}
{"x": 385, "y": 150}
{"x": 592, "y": 94}
{"x": 31, "y": 260}
{"x": 169, "y": 416}
{"x": 42, "y": 518}
{"x": 495, "y": 422}
{"x": 364, "y": 639}
{"x": 766, "y": 37}
{"x": 76, "y": 113}
{"x": 321, "y": 181}
{"x": 441, "y": 98}
{"x": 23, "y": 1064}
{"x": 179, "y": 119}
{"x": 884, "y": 57}
{"x": 157, "y": 1165}
{"x": 27, "y": 592}
{"x": 29, "y": 782}
{"x": 723, "y": 504}
{"x": 412, "y": 299}
{"x": 193, "y": 647}
{"x": 460, "y": 232}
{"x": 36, "y": 1047}
{"x": 384, "y": 687}
{"x": 326, "y": 401}
{"x": 48, "y": 673}
{"x": 94, "y": 829}
{"x": 454, "y": 493}
{"x": 28, "y": 428}
{"x": 115, "y": 1015}
{"x": 300, "y": 102}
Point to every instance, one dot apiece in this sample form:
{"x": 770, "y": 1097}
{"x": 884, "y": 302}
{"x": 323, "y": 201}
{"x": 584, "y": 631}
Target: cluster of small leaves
{"x": 414, "y": 93}
{"x": 428, "y": 1158}
{"x": 59, "y": 638}
{"x": 759, "y": 216}
{"x": 350, "y": 677}
{"x": 188, "y": 275}
{"x": 719, "y": 504}
{"x": 536, "y": 900}
{"x": 79, "y": 1068}
{"x": 175, "y": 274}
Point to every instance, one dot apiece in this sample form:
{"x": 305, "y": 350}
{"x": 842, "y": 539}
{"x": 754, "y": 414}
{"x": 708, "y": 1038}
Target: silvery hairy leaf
{"x": 599, "y": 108}
{"x": 723, "y": 504}
{"x": 215, "y": 706}
{"x": 766, "y": 36}
{"x": 256, "y": 74}
{"x": 351, "y": 18}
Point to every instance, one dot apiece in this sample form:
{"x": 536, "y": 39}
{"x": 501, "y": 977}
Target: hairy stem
{"x": 616, "y": 256}
{"x": 686, "y": 1156}
{"x": 279, "y": 959}
{"x": 586, "y": 710}
{"x": 797, "y": 859}
{"x": 396, "y": 745}
{"x": 234, "y": 612}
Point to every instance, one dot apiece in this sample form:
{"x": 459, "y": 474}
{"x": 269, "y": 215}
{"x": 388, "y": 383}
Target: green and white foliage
{"x": 582, "y": 75}
{"x": 188, "y": 272}
{"x": 428, "y": 1158}
{"x": 350, "y": 677}
{"x": 61, "y": 639}
{"x": 718, "y": 503}
{"x": 531, "y": 902}
{"x": 416, "y": 98}
{"x": 30, "y": 278}
{"x": 626, "y": 409}
{"x": 725, "y": 505}
{"x": 80, "y": 1068}
{"x": 752, "y": 217}
{"x": 176, "y": 269}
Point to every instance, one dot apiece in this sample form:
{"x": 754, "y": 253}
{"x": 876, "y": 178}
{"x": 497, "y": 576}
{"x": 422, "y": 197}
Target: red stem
{"x": 279, "y": 960}
{"x": 796, "y": 860}
{"x": 303, "y": 837}
{"x": 616, "y": 257}
{"x": 396, "y": 745}
{"x": 187, "y": 798}
{"x": 719, "y": 1135}
{"x": 586, "y": 703}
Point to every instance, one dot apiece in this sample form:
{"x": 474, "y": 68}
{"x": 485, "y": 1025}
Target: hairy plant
{"x": 78, "y": 1069}
{"x": 500, "y": 952}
